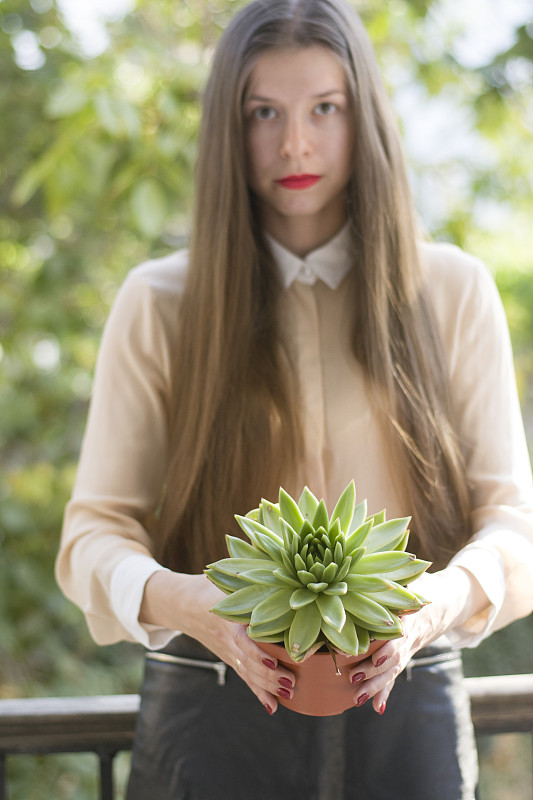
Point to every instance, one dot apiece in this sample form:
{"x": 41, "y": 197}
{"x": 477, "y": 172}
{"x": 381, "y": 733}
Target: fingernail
{"x": 358, "y": 677}
{"x": 284, "y": 693}
{"x": 268, "y": 709}
{"x": 361, "y": 700}
{"x": 382, "y": 708}
{"x": 286, "y": 682}
{"x": 268, "y": 663}
{"x": 380, "y": 661}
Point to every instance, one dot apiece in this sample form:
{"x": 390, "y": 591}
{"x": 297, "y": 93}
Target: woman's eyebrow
{"x": 258, "y": 98}
{"x": 261, "y": 99}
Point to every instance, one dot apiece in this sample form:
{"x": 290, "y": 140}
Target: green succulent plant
{"x": 308, "y": 579}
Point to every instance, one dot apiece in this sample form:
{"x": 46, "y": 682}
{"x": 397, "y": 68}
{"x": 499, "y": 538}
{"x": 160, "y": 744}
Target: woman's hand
{"x": 374, "y": 677}
{"x": 183, "y": 602}
{"x": 455, "y": 596}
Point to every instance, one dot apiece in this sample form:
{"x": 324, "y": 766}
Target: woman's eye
{"x": 325, "y": 109}
{"x": 264, "y": 112}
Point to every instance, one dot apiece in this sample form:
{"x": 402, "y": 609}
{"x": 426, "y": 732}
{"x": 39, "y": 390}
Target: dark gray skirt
{"x": 203, "y": 735}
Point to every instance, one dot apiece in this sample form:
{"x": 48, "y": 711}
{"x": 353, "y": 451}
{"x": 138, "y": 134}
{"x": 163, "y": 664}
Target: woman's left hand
{"x": 454, "y": 596}
{"x": 374, "y": 677}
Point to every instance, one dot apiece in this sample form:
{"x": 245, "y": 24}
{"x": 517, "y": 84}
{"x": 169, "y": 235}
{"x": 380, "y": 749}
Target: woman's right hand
{"x": 182, "y": 602}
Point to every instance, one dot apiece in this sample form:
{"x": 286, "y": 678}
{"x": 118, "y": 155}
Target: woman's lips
{"x": 298, "y": 181}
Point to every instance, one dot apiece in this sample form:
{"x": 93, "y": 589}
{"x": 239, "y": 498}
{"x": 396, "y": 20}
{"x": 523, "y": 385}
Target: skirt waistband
{"x": 191, "y": 651}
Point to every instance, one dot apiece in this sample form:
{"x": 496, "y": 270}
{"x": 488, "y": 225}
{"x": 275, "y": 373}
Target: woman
{"x": 306, "y": 337}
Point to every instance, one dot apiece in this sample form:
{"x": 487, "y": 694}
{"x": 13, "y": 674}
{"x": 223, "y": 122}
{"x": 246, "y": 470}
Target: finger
{"x": 379, "y": 701}
{"x": 380, "y": 661}
{"x": 378, "y": 680}
{"x": 261, "y": 671}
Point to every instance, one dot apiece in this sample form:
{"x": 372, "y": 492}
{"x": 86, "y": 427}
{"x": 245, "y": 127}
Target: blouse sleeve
{"x": 489, "y": 423}
{"x": 105, "y": 555}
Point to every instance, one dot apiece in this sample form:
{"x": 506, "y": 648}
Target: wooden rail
{"x": 105, "y": 725}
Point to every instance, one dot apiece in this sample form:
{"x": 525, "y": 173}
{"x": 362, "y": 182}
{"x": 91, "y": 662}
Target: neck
{"x": 301, "y": 236}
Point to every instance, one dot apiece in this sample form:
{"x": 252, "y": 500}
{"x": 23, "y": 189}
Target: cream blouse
{"x": 105, "y": 554}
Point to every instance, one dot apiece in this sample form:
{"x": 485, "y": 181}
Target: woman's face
{"x": 299, "y": 142}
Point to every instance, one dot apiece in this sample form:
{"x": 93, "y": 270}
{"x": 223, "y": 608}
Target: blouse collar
{"x": 329, "y": 263}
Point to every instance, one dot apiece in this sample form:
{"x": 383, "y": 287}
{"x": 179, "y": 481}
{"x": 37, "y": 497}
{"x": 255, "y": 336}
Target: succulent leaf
{"x": 271, "y": 516}
{"x": 338, "y": 554}
{"x": 378, "y": 518}
{"x": 305, "y": 531}
{"x": 287, "y": 576}
{"x": 265, "y": 576}
{"x": 287, "y": 562}
{"x": 414, "y": 569}
{"x": 289, "y": 534}
{"x": 270, "y": 547}
{"x": 402, "y": 544}
{"x": 305, "y": 577}
{"x": 368, "y": 610}
{"x": 344, "y": 570}
{"x": 321, "y": 519}
{"x": 250, "y": 527}
{"x": 304, "y": 629}
{"x": 275, "y": 638}
{"x": 244, "y": 601}
{"x": 368, "y": 583}
{"x": 329, "y": 573}
{"x": 398, "y": 599}
{"x": 227, "y": 583}
{"x": 362, "y": 635}
{"x": 272, "y": 627}
{"x": 359, "y": 516}
{"x": 317, "y": 587}
{"x": 301, "y": 598}
{"x": 339, "y": 587}
{"x": 238, "y": 548}
{"x": 344, "y": 509}
{"x": 345, "y": 640}
{"x": 271, "y": 607}
{"x": 387, "y": 535}
{"x": 290, "y": 511}
{"x": 308, "y": 504}
{"x": 383, "y": 564}
{"x": 332, "y": 610}
{"x": 358, "y": 538}
{"x": 233, "y": 566}
{"x": 299, "y": 563}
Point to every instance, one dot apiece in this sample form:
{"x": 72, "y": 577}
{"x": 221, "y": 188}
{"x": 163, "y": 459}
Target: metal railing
{"x": 105, "y": 725}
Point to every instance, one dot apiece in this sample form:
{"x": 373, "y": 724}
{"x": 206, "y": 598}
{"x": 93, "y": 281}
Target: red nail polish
{"x": 358, "y": 677}
{"x": 362, "y": 699}
{"x": 268, "y": 709}
{"x": 284, "y": 693}
{"x": 380, "y": 661}
{"x": 268, "y": 663}
{"x": 382, "y": 708}
{"x": 286, "y": 682}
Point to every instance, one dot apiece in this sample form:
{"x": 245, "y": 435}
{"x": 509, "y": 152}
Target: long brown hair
{"x": 235, "y": 429}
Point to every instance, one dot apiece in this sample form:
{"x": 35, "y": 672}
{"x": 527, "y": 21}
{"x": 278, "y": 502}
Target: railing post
{"x": 3, "y": 778}
{"x": 106, "y": 775}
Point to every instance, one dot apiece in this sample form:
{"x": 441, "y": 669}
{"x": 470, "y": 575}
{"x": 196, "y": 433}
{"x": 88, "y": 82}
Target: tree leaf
{"x": 149, "y": 206}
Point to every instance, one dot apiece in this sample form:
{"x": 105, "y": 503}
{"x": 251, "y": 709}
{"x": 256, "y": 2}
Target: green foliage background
{"x": 96, "y": 171}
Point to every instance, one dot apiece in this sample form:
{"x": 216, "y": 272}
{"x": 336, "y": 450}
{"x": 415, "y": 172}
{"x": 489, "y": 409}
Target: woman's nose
{"x": 296, "y": 140}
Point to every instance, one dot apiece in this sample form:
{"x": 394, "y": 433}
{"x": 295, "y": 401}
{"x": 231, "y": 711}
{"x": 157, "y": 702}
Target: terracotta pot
{"x": 319, "y": 690}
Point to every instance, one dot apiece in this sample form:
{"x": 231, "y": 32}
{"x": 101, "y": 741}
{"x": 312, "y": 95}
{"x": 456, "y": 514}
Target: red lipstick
{"x": 298, "y": 181}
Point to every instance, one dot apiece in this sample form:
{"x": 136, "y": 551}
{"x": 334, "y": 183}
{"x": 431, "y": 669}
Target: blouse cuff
{"x": 127, "y": 588}
{"x": 484, "y": 564}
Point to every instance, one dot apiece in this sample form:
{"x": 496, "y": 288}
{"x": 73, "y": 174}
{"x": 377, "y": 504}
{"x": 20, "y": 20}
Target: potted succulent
{"x": 308, "y": 581}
